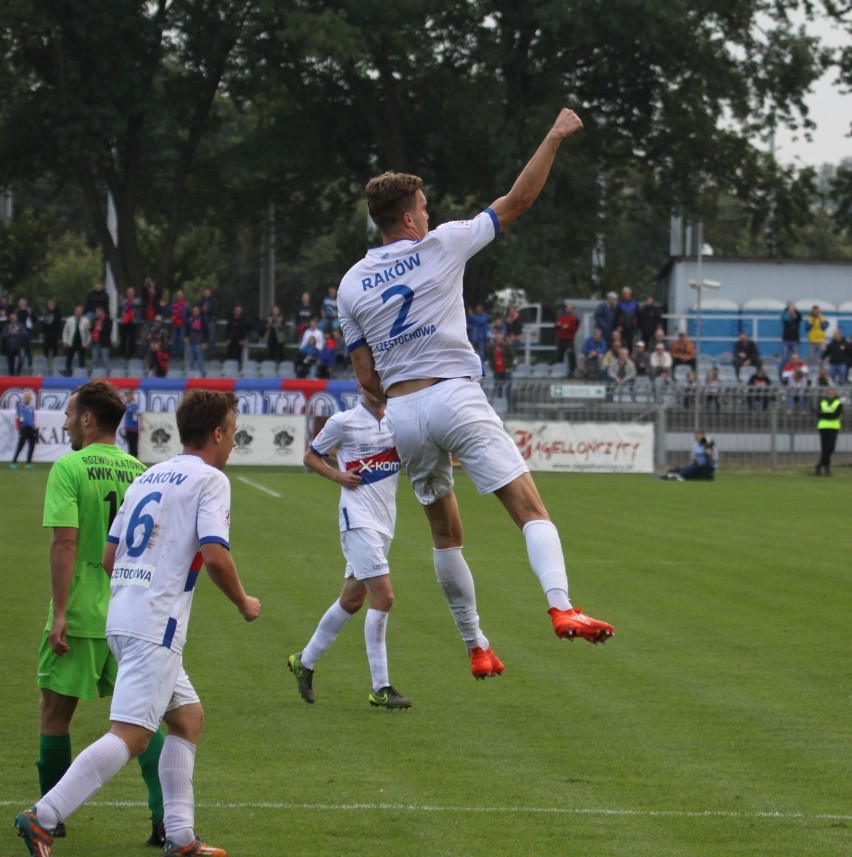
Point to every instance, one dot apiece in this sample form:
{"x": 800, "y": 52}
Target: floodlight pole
{"x": 699, "y": 287}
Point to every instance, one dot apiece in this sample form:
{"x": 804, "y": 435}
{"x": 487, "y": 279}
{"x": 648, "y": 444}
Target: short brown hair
{"x": 389, "y": 196}
{"x": 103, "y": 401}
{"x": 200, "y": 413}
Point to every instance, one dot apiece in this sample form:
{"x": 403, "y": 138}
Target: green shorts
{"x": 86, "y": 671}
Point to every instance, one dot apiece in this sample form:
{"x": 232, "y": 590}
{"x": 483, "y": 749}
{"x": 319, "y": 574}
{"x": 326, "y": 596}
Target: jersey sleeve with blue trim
{"x": 404, "y": 300}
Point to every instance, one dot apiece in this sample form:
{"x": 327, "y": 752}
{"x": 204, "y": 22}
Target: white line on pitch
{"x": 520, "y": 810}
{"x": 260, "y": 487}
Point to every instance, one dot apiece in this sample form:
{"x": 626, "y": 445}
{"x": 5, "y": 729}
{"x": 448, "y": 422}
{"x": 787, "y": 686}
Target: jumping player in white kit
{"x": 174, "y": 518}
{"x": 368, "y": 473}
{"x": 403, "y": 319}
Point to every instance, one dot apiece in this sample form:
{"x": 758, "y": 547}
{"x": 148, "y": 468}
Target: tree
{"x": 199, "y": 115}
{"x": 115, "y": 97}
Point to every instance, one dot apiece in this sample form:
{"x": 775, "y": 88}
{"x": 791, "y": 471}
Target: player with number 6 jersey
{"x": 175, "y": 517}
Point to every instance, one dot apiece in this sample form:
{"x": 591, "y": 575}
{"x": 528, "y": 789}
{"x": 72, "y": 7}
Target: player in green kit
{"x": 84, "y": 492}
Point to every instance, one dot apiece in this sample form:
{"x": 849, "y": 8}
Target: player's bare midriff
{"x": 403, "y": 388}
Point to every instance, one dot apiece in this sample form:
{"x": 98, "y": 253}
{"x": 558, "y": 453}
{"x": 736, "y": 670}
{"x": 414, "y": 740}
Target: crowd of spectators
{"x": 628, "y": 341}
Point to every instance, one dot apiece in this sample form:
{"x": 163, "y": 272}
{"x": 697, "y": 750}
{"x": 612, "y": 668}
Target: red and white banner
{"x": 585, "y": 447}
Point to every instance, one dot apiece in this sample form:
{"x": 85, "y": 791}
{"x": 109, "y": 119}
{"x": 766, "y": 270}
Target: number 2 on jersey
{"x": 407, "y": 295}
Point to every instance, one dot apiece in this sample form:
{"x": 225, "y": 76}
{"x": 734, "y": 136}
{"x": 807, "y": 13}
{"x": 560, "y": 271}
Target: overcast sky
{"x": 831, "y": 111}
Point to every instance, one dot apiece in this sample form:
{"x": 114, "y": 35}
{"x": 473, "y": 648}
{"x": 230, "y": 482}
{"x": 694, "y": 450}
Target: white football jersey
{"x": 167, "y": 514}
{"x": 405, "y": 301}
{"x": 364, "y": 445}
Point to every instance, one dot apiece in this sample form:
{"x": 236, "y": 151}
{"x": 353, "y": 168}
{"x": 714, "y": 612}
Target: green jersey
{"x": 84, "y": 491}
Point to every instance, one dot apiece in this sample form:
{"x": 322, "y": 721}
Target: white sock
{"x": 375, "y": 628}
{"x": 326, "y": 633}
{"x": 548, "y": 562}
{"x": 457, "y": 583}
{"x": 177, "y": 761}
{"x": 96, "y": 765}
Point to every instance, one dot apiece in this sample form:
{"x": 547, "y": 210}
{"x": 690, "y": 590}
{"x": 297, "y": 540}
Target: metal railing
{"x": 753, "y": 426}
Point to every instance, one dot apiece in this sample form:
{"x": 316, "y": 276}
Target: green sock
{"x": 149, "y": 762}
{"x": 54, "y": 759}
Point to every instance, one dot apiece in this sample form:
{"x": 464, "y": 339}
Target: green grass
{"x": 717, "y": 721}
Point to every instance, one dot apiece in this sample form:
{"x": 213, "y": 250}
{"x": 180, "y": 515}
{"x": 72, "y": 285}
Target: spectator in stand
{"x": 838, "y": 354}
{"x": 797, "y": 385}
{"x": 275, "y": 334}
{"x": 689, "y": 390}
{"x": 828, "y": 424}
{"x": 816, "y": 325}
{"x": 312, "y": 331}
{"x": 478, "y": 322}
{"x": 51, "y": 329}
{"x": 594, "y": 350}
{"x": 178, "y": 314}
{"x": 791, "y": 322}
{"x": 25, "y": 317}
{"x": 501, "y": 358}
{"x": 745, "y": 353}
{"x": 152, "y": 306}
{"x": 567, "y": 326}
{"x": 605, "y": 314}
{"x": 329, "y": 322}
{"x": 664, "y": 387}
{"x": 660, "y": 360}
{"x": 304, "y": 313}
{"x": 649, "y": 319}
{"x": 712, "y": 390}
{"x": 759, "y": 390}
{"x": 497, "y": 326}
{"x": 611, "y": 355}
{"x": 625, "y": 316}
{"x": 14, "y": 336}
{"x": 659, "y": 339}
{"x": 158, "y": 349}
{"x": 210, "y": 315}
{"x": 823, "y": 379}
{"x": 101, "y": 340}
{"x": 641, "y": 359}
{"x": 76, "y": 337}
{"x": 5, "y": 308}
{"x": 683, "y": 352}
{"x": 309, "y": 355}
{"x": 196, "y": 339}
{"x": 329, "y": 354}
{"x": 514, "y": 327}
{"x": 25, "y": 422}
{"x": 128, "y": 324}
{"x": 96, "y": 297}
{"x": 794, "y": 364}
{"x": 131, "y": 423}
{"x": 621, "y": 371}
{"x": 235, "y": 335}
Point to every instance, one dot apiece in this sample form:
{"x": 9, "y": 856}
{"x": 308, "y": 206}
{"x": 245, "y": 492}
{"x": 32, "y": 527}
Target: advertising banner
{"x": 260, "y": 439}
{"x": 585, "y": 447}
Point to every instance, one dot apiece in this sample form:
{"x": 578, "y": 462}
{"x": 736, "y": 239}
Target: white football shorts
{"x": 151, "y": 681}
{"x": 366, "y": 553}
{"x": 452, "y": 418}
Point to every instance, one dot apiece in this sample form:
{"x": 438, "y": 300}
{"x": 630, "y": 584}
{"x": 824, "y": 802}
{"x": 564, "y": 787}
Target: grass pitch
{"x": 717, "y": 722}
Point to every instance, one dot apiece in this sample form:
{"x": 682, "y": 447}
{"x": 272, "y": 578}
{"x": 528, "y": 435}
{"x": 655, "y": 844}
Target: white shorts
{"x": 151, "y": 681}
{"x": 452, "y": 418}
{"x": 366, "y": 553}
